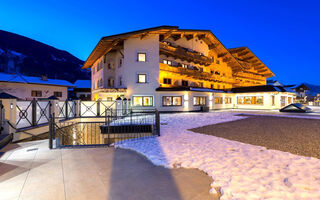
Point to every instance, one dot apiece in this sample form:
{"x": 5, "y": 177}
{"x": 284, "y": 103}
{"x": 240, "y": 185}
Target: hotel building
{"x": 174, "y": 69}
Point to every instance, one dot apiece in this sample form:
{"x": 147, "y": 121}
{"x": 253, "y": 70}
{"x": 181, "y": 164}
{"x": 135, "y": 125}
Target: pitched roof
{"x": 17, "y": 78}
{"x": 83, "y": 83}
{"x": 249, "y": 60}
{"x": 106, "y": 44}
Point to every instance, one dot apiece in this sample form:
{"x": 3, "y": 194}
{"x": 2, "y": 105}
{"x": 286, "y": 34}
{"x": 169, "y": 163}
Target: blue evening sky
{"x": 283, "y": 34}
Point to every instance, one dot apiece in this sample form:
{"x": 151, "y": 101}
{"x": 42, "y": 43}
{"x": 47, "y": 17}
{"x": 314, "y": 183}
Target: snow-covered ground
{"x": 242, "y": 171}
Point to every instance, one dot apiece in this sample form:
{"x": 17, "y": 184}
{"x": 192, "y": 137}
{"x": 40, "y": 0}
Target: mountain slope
{"x": 19, "y": 54}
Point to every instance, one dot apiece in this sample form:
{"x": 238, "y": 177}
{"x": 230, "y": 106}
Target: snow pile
{"x": 242, "y": 171}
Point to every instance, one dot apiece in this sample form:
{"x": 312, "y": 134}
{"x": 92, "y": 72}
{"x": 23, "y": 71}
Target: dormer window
{"x": 141, "y": 57}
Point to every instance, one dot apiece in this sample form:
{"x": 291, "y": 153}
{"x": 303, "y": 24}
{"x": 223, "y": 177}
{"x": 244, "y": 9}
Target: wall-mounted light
{"x": 11, "y": 105}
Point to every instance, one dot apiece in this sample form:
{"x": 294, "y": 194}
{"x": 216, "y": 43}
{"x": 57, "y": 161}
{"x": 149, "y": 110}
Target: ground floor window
{"x": 36, "y": 93}
{"x": 57, "y": 94}
{"x": 199, "y": 101}
{"x": 171, "y": 101}
{"x": 142, "y": 100}
{"x": 289, "y": 100}
{"x": 273, "y": 100}
{"x": 228, "y": 100}
{"x": 218, "y": 100}
{"x": 250, "y": 100}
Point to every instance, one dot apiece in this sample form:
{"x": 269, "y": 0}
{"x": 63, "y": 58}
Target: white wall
{"x": 131, "y": 68}
{"x": 23, "y": 90}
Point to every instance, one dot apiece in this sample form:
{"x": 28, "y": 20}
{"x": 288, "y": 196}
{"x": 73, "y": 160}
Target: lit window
{"x": 200, "y": 84}
{"x": 171, "y": 101}
{"x": 184, "y": 66}
{"x": 227, "y": 100}
{"x": 36, "y": 93}
{"x": 142, "y": 78}
{"x": 199, "y": 101}
{"x": 142, "y": 101}
{"x": 218, "y": 100}
{"x": 167, "y": 81}
{"x": 141, "y": 57}
{"x": 167, "y": 62}
{"x": 250, "y": 100}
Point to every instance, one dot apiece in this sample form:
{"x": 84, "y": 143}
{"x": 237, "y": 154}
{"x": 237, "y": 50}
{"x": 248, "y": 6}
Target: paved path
{"x": 31, "y": 171}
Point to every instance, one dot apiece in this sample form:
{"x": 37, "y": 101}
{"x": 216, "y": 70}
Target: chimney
{"x": 44, "y": 78}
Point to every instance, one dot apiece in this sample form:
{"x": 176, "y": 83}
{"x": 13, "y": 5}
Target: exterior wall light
{"x": 11, "y": 105}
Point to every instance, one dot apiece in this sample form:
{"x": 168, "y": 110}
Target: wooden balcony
{"x": 184, "y": 54}
{"x": 247, "y": 75}
{"x": 195, "y": 74}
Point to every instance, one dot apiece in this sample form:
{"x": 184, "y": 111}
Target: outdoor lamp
{"x": 11, "y": 105}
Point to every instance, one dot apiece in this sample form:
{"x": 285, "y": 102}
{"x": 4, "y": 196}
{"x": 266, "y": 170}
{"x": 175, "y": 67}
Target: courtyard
{"x": 216, "y": 155}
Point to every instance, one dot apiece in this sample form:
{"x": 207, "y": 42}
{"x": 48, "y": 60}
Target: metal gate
{"x": 32, "y": 113}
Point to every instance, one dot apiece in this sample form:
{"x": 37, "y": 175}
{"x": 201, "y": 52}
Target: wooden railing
{"x": 184, "y": 54}
{"x": 196, "y": 74}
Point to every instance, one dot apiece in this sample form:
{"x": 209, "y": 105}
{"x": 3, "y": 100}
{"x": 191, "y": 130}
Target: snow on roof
{"x": 17, "y": 78}
{"x": 83, "y": 84}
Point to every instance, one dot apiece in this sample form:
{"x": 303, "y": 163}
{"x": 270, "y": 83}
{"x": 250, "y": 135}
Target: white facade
{"x": 117, "y": 73}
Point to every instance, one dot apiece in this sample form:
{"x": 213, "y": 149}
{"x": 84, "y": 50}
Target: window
{"x": 211, "y": 86}
{"x": 273, "y": 100}
{"x": 168, "y": 62}
{"x": 109, "y": 98}
{"x": 110, "y": 82}
{"x": 184, "y": 66}
{"x": 141, "y": 57}
{"x": 93, "y": 70}
{"x": 100, "y": 66}
{"x": 289, "y": 100}
{"x": 167, "y": 81}
{"x": 217, "y": 61}
{"x": 105, "y": 58}
{"x": 200, "y": 84}
{"x": 217, "y": 73}
{"x": 218, "y": 100}
{"x": 120, "y": 81}
{"x": 142, "y": 78}
{"x": 120, "y": 62}
{"x": 57, "y": 94}
{"x": 227, "y": 100}
{"x": 250, "y": 100}
{"x": 199, "y": 101}
{"x": 184, "y": 83}
{"x": 171, "y": 101}
{"x": 212, "y": 72}
{"x": 142, "y": 101}
{"x": 36, "y": 93}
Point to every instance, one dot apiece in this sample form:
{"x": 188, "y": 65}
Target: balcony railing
{"x": 195, "y": 74}
{"x": 184, "y": 54}
{"x": 249, "y": 76}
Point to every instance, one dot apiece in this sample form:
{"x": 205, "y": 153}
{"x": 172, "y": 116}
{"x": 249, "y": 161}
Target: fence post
{"x": 98, "y": 108}
{"x": 34, "y": 112}
{"x": 158, "y": 121}
{"x": 67, "y": 108}
{"x": 51, "y": 121}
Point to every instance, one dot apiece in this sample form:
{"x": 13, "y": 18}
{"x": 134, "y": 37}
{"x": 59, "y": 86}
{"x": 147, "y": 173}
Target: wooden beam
{"x": 176, "y": 36}
{"x": 144, "y": 35}
{"x": 166, "y": 35}
{"x": 201, "y": 36}
{"x": 226, "y": 59}
{"x": 189, "y": 37}
{"x": 212, "y": 46}
{"x": 247, "y": 58}
{"x": 243, "y": 53}
{"x": 222, "y": 55}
